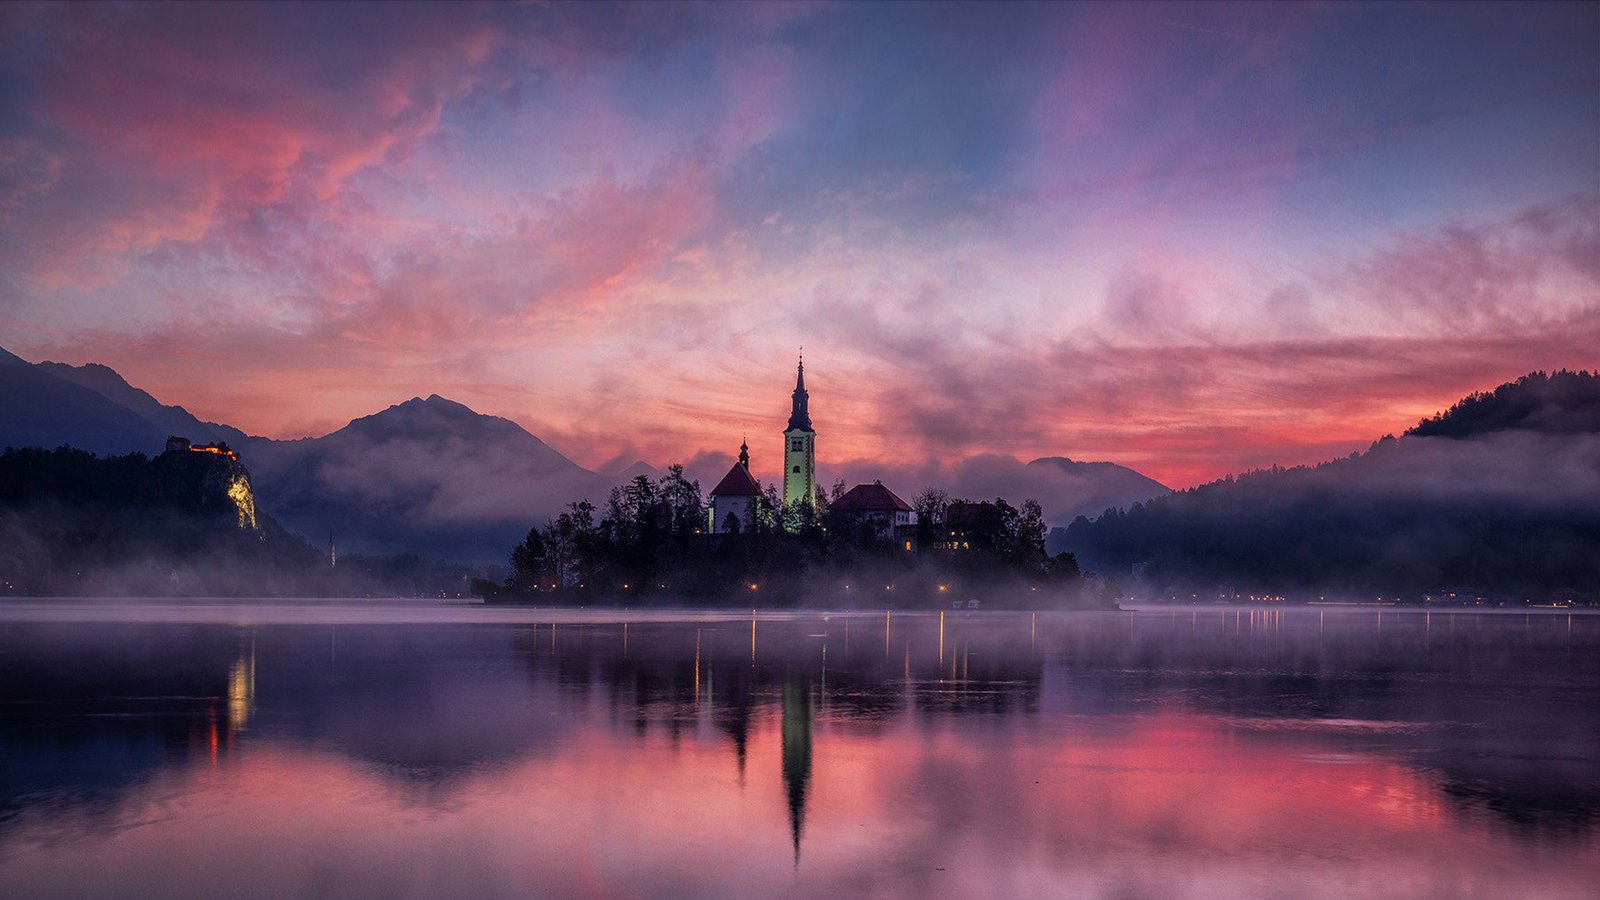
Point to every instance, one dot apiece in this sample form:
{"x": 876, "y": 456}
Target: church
{"x": 733, "y": 502}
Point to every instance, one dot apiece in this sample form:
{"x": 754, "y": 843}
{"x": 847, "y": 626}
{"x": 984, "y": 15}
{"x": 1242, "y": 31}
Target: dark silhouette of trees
{"x": 75, "y": 523}
{"x": 647, "y": 544}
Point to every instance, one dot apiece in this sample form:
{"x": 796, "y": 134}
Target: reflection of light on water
{"x": 242, "y": 689}
{"x": 1234, "y": 776}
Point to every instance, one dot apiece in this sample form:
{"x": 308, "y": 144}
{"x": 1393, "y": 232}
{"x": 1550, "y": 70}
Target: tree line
{"x": 650, "y": 542}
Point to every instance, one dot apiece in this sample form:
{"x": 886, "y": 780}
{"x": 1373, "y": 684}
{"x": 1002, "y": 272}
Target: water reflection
{"x": 796, "y": 755}
{"x": 1169, "y": 752}
{"x": 242, "y": 688}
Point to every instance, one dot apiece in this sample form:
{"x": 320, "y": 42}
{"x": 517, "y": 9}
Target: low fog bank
{"x": 742, "y": 574}
{"x": 182, "y": 524}
{"x": 1503, "y": 514}
{"x": 49, "y": 551}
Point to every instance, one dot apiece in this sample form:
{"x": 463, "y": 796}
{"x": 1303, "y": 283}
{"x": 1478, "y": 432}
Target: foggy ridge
{"x": 1495, "y": 497}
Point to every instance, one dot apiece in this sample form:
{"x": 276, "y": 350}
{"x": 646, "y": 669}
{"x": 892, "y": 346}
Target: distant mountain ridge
{"x": 1099, "y": 486}
{"x": 42, "y": 410}
{"x": 427, "y": 476}
{"x": 105, "y": 381}
{"x": 1498, "y": 495}
{"x": 431, "y": 476}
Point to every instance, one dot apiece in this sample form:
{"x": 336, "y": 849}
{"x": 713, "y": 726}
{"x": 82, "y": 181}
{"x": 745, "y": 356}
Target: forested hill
{"x": 1564, "y": 403}
{"x": 1500, "y": 495}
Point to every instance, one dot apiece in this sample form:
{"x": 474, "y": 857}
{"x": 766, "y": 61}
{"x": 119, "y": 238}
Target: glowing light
{"x": 242, "y": 690}
{"x": 213, "y": 448}
{"x": 244, "y": 503}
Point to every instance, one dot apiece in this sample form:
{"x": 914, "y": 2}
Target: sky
{"x": 1191, "y": 239}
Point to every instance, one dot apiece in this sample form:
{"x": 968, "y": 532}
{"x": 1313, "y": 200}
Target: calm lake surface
{"x": 411, "y": 750}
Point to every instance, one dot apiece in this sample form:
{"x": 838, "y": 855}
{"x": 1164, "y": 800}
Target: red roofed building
{"x": 880, "y": 509}
{"x": 732, "y": 506}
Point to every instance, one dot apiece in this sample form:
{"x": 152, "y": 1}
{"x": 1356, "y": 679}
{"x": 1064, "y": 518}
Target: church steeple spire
{"x": 744, "y": 454}
{"x": 799, "y": 415}
{"x": 799, "y": 447}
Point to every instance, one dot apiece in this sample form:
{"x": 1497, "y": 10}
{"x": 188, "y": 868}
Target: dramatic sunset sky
{"x": 1189, "y": 239}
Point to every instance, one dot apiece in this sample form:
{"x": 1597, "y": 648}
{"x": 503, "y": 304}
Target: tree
{"x": 1027, "y": 548}
{"x": 685, "y": 508}
{"x": 573, "y": 541}
{"x": 930, "y": 505}
{"x": 641, "y": 495}
{"x": 528, "y": 561}
{"x": 1063, "y": 567}
{"x": 768, "y": 510}
{"x": 620, "y": 518}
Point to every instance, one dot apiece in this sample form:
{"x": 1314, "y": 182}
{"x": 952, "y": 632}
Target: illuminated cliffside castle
{"x": 228, "y": 478}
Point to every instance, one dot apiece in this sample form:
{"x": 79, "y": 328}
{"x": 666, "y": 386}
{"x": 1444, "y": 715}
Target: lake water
{"x": 411, "y": 750}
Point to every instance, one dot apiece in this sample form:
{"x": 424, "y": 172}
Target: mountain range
{"x": 433, "y": 477}
{"x": 1497, "y": 496}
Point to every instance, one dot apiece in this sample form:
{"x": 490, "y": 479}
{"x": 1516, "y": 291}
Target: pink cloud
{"x": 310, "y": 214}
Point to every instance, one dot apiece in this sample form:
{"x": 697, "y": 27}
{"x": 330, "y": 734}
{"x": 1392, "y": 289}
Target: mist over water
{"x": 407, "y": 749}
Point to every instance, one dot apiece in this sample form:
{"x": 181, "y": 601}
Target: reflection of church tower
{"x": 799, "y": 448}
{"x": 733, "y": 714}
{"x": 796, "y": 755}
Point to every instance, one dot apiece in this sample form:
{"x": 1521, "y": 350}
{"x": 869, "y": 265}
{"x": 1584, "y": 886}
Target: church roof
{"x": 870, "y": 498}
{"x": 737, "y": 483}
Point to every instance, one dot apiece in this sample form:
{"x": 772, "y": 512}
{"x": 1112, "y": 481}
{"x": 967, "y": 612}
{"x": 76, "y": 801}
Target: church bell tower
{"x": 799, "y": 448}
